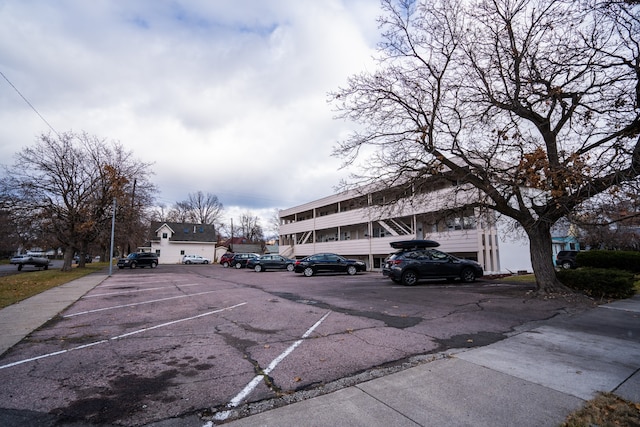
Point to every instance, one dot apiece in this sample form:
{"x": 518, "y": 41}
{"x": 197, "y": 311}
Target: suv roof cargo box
{"x": 414, "y": 244}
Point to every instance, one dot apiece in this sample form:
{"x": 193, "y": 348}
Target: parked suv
{"x": 417, "y": 260}
{"x": 567, "y": 259}
{"x": 139, "y": 259}
{"x": 240, "y": 259}
{"x": 225, "y": 259}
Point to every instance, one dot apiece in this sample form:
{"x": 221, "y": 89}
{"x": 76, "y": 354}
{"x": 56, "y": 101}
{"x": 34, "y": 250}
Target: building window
{"x": 158, "y": 252}
{"x": 164, "y": 235}
{"x": 182, "y": 252}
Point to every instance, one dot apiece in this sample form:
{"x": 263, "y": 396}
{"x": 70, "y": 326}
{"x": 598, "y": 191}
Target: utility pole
{"x": 113, "y": 228}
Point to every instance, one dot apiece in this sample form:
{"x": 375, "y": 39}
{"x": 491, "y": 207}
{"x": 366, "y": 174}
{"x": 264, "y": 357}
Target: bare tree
{"x": 66, "y": 185}
{"x": 531, "y": 107}
{"x": 199, "y": 208}
{"x": 180, "y": 212}
{"x": 250, "y": 228}
{"x": 205, "y": 208}
{"x": 273, "y": 226}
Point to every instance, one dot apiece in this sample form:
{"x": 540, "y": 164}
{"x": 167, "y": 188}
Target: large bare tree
{"x": 531, "y": 105}
{"x": 66, "y": 185}
{"x": 250, "y": 228}
{"x": 199, "y": 208}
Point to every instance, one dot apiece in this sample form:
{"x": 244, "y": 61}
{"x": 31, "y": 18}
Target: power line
{"x": 29, "y": 104}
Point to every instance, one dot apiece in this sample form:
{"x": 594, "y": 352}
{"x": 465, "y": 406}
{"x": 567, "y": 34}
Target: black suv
{"x": 240, "y": 259}
{"x": 417, "y": 260}
{"x": 139, "y": 259}
{"x": 567, "y": 259}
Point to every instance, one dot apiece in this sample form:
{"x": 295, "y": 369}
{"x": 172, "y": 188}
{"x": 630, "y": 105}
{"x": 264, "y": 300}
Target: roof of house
{"x": 184, "y": 231}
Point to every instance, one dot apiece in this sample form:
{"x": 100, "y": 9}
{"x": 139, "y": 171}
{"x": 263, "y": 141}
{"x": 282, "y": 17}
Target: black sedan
{"x": 271, "y": 262}
{"x": 330, "y": 263}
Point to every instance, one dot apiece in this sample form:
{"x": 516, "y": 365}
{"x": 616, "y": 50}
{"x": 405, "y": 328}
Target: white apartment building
{"x": 353, "y": 224}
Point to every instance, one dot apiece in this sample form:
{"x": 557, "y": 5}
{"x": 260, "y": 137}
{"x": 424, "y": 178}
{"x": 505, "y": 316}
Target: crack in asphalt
{"x": 398, "y": 322}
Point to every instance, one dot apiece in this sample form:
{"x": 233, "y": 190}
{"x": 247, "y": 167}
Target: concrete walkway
{"x": 19, "y": 320}
{"x": 534, "y": 378}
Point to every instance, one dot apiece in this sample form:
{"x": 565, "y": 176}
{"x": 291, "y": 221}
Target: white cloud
{"x": 226, "y": 97}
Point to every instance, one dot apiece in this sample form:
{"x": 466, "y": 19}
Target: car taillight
{"x": 394, "y": 262}
{"x": 298, "y": 262}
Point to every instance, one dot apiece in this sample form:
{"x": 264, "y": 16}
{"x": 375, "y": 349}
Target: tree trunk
{"x": 542, "y": 260}
{"x": 67, "y": 259}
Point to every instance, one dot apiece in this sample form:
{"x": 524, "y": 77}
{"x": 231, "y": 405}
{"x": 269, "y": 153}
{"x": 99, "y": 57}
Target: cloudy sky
{"x": 224, "y": 96}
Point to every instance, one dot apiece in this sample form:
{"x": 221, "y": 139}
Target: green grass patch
{"x": 520, "y": 278}
{"x": 17, "y": 287}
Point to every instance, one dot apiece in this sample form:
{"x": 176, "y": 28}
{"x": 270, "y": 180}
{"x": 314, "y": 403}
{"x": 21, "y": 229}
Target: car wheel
{"x": 467, "y": 275}
{"x": 238, "y": 265}
{"x": 258, "y": 268}
{"x": 206, "y": 262}
{"x": 290, "y": 267}
{"x": 154, "y": 264}
{"x": 308, "y": 271}
{"x": 351, "y": 270}
{"x": 187, "y": 262}
{"x": 566, "y": 265}
{"x": 225, "y": 264}
{"x": 133, "y": 265}
{"x": 409, "y": 278}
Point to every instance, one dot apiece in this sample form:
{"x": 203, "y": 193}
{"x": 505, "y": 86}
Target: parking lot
{"x": 151, "y": 344}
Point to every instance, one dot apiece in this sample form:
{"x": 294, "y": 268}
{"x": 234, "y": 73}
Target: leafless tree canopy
{"x": 64, "y": 186}
{"x": 250, "y": 228}
{"x": 535, "y": 103}
{"x": 199, "y": 208}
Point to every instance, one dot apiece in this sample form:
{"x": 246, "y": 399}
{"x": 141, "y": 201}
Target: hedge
{"x": 599, "y": 282}
{"x": 621, "y": 260}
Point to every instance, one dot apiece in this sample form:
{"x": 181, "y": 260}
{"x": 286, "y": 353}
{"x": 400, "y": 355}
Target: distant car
{"x": 567, "y": 259}
{"x": 139, "y": 259}
{"x": 328, "y": 262}
{"x": 195, "y": 259}
{"x": 28, "y": 259}
{"x": 87, "y": 259}
{"x": 225, "y": 259}
{"x": 417, "y": 260}
{"x": 270, "y": 262}
{"x": 240, "y": 259}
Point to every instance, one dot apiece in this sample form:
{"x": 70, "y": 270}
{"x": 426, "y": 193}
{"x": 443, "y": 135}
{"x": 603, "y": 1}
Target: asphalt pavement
{"x": 535, "y": 377}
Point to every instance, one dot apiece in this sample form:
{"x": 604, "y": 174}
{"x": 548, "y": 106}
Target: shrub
{"x": 622, "y": 260}
{"x": 599, "y": 282}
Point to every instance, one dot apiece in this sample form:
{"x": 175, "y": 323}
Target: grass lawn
{"x": 16, "y": 287}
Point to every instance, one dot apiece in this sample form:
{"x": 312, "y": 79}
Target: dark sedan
{"x": 330, "y": 263}
{"x": 271, "y": 262}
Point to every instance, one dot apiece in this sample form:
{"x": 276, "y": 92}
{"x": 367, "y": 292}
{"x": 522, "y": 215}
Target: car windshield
{"x": 131, "y": 256}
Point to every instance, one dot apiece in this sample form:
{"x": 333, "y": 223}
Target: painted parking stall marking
{"x": 173, "y": 322}
{"x": 134, "y": 304}
{"x": 221, "y": 416}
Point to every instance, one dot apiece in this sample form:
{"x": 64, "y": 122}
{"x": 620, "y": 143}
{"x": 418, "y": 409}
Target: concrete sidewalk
{"x": 534, "y": 378}
{"x": 19, "y": 320}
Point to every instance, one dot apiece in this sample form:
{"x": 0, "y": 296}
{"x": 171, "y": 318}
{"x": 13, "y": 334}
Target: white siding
{"x": 365, "y": 233}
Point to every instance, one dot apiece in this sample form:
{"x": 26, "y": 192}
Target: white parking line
{"x": 221, "y": 416}
{"x": 143, "y": 290}
{"x": 173, "y": 322}
{"x": 126, "y": 292}
{"x": 133, "y": 304}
